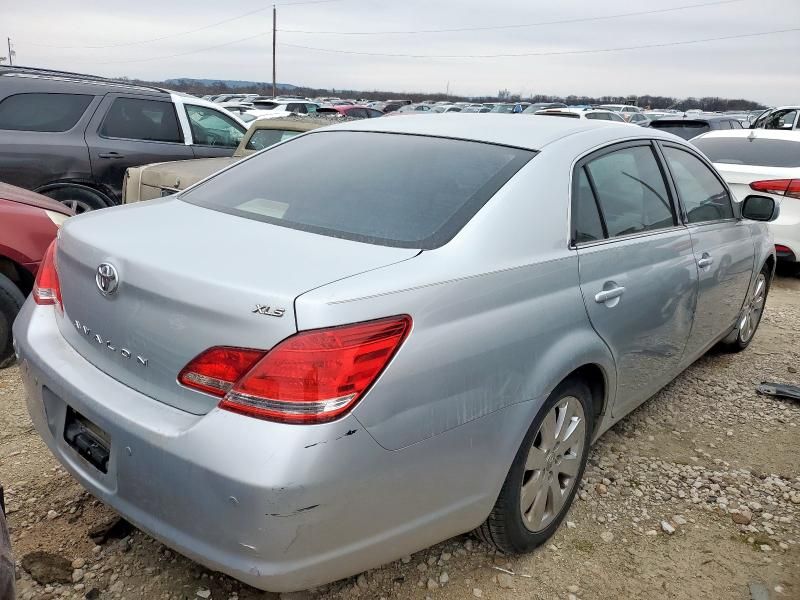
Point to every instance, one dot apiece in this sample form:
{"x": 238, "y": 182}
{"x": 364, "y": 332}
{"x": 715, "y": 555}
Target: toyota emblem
{"x": 107, "y": 279}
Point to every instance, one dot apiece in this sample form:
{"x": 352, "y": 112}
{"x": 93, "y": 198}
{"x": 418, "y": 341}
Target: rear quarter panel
{"x": 25, "y": 233}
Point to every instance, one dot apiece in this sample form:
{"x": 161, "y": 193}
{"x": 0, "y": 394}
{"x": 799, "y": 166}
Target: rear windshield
{"x": 685, "y": 129}
{"x": 760, "y": 152}
{"x": 407, "y": 191}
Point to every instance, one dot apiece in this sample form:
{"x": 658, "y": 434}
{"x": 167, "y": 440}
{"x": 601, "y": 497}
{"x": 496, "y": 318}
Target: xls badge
{"x": 268, "y": 311}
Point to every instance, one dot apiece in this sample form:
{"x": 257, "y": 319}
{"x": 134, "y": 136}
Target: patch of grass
{"x": 583, "y": 546}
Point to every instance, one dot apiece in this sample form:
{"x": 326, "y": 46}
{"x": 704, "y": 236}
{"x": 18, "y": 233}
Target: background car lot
{"x": 704, "y": 446}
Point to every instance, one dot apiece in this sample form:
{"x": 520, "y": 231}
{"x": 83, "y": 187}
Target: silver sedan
{"x": 381, "y": 334}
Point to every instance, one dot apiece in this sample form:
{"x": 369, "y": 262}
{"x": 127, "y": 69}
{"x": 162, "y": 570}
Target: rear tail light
{"x": 781, "y": 249}
{"x": 47, "y": 288}
{"x": 781, "y": 187}
{"x": 311, "y": 377}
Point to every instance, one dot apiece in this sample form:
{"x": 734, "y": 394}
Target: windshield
{"x": 761, "y": 152}
{"x": 411, "y": 191}
{"x": 685, "y": 129}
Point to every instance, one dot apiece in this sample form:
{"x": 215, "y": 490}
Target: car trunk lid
{"x": 189, "y": 278}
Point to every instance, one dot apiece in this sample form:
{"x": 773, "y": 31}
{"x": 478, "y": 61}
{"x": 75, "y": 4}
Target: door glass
{"x": 212, "y": 128}
{"x": 264, "y": 138}
{"x": 702, "y": 194}
{"x": 587, "y": 226}
{"x": 631, "y": 191}
{"x": 138, "y": 119}
{"x": 42, "y": 112}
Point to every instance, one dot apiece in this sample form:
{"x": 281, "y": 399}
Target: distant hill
{"x": 230, "y": 83}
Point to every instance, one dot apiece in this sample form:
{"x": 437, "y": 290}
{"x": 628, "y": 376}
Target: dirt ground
{"x": 694, "y": 495}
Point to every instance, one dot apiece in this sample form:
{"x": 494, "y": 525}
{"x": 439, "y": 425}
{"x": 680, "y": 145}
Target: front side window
{"x": 212, "y": 128}
{"x": 43, "y": 112}
{"x": 139, "y": 119}
{"x": 412, "y": 191}
{"x": 703, "y": 196}
{"x": 264, "y": 138}
{"x": 779, "y": 119}
{"x": 631, "y": 191}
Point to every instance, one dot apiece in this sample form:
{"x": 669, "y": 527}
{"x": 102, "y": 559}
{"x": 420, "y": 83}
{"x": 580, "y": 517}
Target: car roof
{"x": 531, "y": 132}
{"x": 97, "y": 84}
{"x": 769, "y": 134}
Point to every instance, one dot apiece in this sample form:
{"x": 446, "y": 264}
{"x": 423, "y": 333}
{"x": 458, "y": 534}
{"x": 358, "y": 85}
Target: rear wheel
{"x": 544, "y": 477}
{"x": 79, "y": 199}
{"x": 11, "y": 300}
{"x": 751, "y": 315}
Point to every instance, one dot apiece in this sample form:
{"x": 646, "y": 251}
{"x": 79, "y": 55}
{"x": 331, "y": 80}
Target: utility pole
{"x": 447, "y": 93}
{"x": 274, "y": 19}
{"x": 10, "y": 52}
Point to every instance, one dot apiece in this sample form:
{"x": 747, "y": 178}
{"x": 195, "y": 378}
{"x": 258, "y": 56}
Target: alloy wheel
{"x": 753, "y": 310}
{"x": 553, "y": 463}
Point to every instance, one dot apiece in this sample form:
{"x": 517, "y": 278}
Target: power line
{"x": 187, "y": 32}
{"x": 517, "y": 25}
{"x": 549, "y": 53}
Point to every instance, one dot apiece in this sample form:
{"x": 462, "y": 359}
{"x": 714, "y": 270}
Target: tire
{"x": 506, "y": 528}
{"x": 740, "y": 338}
{"x": 79, "y": 198}
{"x": 11, "y": 300}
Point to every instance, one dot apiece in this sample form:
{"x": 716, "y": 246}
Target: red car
{"x": 348, "y": 110}
{"x": 28, "y": 223}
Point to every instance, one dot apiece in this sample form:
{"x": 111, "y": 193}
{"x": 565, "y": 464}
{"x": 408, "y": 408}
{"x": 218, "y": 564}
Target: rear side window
{"x": 138, "y": 119}
{"x": 411, "y": 191}
{"x": 683, "y": 129}
{"x": 43, "y": 112}
{"x": 630, "y": 191}
{"x": 587, "y": 226}
{"x": 755, "y": 151}
{"x": 264, "y": 138}
{"x": 703, "y": 196}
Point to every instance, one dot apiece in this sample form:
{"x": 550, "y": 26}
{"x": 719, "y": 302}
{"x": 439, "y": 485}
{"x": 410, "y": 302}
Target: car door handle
{"x": 704, "y": 262}
{"x": 607, "y": 295}
{"x": 111, "y": 155}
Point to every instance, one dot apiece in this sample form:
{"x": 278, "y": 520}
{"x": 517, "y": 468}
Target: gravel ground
{"x": 694, "y": 495}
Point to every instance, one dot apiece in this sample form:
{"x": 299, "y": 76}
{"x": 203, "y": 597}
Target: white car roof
{"x": 530, "y": 131}
{"x": 792, "y": 135}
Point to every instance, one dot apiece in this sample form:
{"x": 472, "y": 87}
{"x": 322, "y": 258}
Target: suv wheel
{"x": 78, "y": 198}
{"x": 11, "y": 300}
{"x": 544, "y": 477}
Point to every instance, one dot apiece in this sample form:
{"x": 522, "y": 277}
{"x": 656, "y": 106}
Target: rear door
{"x": 637, "y": 269}
{"x": 723, "y": 247}
{"x": 131, "y": 130}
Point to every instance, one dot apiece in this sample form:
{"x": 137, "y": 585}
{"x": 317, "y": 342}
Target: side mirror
{"x": 760, "y": 208}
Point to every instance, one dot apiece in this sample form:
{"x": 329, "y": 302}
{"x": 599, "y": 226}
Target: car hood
{"x": 180, "y": 174}
{"x": 16, "y": 194}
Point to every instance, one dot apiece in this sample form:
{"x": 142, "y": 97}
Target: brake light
{"x": 311, "y": 377}
{"x": 47, "y": 288}
{"x": 781, "y": 187}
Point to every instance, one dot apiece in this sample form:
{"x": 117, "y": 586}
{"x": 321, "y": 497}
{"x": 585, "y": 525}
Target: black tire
{"x": 78, "y": 198}
{"x": 11, "y": 300}
{"x": 735, "y": 341}
{"x": 504, "y": 528}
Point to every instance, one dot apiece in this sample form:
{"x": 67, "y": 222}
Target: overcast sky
{"x": 762, "y": 68}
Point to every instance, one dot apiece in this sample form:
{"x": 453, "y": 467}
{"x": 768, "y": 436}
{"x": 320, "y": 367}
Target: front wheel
{"x": 751, "y": 315}
{"x": 544, "y": 476}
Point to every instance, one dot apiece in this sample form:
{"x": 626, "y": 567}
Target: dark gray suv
{"x": 71, "y": 136}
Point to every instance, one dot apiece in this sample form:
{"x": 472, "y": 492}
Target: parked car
{"x": 71, "y": 137}
{"x": 537, "y": 106}
{"x": 28, "y": 223}
{"x": 276, "y": 109}
{"x": 580, "y": 113}
{"x": 408, "y": 393}
{"x": 765, "y": 162}
{"x": 691, "y": 126}
{"x": 163, "y": 179}
{"x": 785, "y": 117}
{"x": 625, "y": 110}
{"x": 639, "y": 119}
{"x": 476, "y": 108}
{"x": 510, "y": 107}
{"x": 447, "y": 108}
{"x": 352, "y": 111}
{"x": 7, "y": 565}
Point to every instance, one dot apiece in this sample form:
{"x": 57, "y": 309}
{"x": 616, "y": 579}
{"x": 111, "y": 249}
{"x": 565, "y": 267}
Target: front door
{"x": 128, "y": 131}
{"x": 637, "y": 269}
{"x": 213, "y": 132}
{"x": 723, "y": 247}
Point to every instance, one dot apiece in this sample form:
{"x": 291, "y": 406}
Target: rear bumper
{"x": 786, "y": 230}
{"x": 280, "y": 507}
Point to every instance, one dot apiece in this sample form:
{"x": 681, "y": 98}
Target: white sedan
{"x": 762, "y": 161}
{"x": 583, "y": 113}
